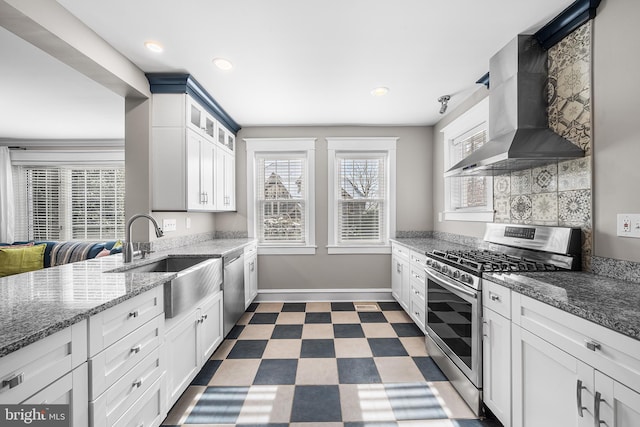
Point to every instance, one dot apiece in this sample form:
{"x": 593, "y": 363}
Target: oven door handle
{"x": 446, "y": 283}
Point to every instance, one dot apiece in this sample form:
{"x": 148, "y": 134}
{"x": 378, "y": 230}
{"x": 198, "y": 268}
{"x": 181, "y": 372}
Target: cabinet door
{"x": 211, "y": 327}
{"x": 229, "y": 182}
{"x": 496, "y": 352}
{"x": 195, "y": 196}
{"x": 547, "y": 384}
{"x": 396, "y": 278}
{"x": 616, "y": 405}
{"x": 405, "y": 301}
{"x": 207, "y": 165}
{"x": 71, "y": 389}
{"x": 183, "y": 359}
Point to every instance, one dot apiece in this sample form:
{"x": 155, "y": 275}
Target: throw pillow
{"x": 104, "y": 252}
{"x": 21, "y": 260}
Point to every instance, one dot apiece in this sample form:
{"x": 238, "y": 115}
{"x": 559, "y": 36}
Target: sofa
{"x": 21, "y": 257}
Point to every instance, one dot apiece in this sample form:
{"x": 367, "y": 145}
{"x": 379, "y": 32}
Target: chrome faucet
{"x": 127, "y": 250}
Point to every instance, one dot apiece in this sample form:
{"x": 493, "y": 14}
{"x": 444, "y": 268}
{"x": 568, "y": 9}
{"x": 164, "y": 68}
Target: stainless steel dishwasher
{"x": 233, "y": 288}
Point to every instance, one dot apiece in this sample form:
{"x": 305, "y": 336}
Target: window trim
{"x": 363, "y": 145}
{"x": 473, "y": 118}
{"x": 285, "y": 145}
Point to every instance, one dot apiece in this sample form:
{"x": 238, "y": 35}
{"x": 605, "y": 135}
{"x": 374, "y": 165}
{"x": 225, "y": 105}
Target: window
{"x": 361, "y": 194}
{"x": 280, "y": 195}
{"x": 467, "y": 198}
{"x": 69, "y": 203}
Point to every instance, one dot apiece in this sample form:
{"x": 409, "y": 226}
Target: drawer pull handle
{"x": 138, "y": 383}
{"x": 136, "y": 349}
{"x": 134, "y": 313}
{"x": 579, "y": 388}
{"x": 495, "y": 297}
{"x": 13, "y": 381}
{"x": 596, "y": 409}
{"x": 592, "y": 345}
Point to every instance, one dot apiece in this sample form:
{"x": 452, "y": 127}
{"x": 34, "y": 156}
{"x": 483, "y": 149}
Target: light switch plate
{"x": 628, "y": 225}
{"x": 169, "y": 225}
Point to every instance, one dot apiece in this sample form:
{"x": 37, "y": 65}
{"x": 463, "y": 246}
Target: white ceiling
{"x": 311, "y": 62}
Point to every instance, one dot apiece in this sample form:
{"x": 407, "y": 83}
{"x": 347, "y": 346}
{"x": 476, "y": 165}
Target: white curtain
{"x": 7, "y": 207}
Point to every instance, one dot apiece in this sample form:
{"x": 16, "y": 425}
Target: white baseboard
{"x": 333, "y": 295}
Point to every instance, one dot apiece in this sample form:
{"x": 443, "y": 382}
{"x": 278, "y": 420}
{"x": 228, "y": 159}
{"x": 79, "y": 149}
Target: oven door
{"x": 453, "y": 322}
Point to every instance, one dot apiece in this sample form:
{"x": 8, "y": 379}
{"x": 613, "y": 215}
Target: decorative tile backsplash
{"x": 559, "y": 193}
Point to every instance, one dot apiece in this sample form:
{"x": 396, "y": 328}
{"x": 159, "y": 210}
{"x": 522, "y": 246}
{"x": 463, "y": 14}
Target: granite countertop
{"x": 37, "y": 304}
{"x": 425, "y": 245}
{"x": 612, "y": 303}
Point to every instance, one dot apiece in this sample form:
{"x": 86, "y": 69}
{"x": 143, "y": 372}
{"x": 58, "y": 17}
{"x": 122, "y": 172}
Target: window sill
{"x": 342, "y": 250}
{"x": 481, "y": 216}
{"x": 286, "y": 250}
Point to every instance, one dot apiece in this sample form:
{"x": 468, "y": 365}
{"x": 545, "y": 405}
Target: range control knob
{"x": 444, "y": 269}
{"x": 456, "y": 274}
{"x": 467, "y": 279}
{"x": 429, "y": 262}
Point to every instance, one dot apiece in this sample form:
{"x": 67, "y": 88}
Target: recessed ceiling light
{"x": 154, "y": 46}
{"x": 380, "y": 91}
{"x": 222, "y": 63}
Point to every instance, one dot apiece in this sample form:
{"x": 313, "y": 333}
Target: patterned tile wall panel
{"x": 559, "y": 193}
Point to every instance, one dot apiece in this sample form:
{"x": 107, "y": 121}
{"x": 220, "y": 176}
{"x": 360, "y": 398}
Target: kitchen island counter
{"x": 37, "y": 304}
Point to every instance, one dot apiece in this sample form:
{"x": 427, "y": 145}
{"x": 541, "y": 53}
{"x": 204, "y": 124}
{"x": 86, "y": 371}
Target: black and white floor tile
{"x": 322, "y": 364}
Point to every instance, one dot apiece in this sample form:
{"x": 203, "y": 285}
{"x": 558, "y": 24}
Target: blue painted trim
{"x": 562, "y": 25}
{"x": 484, "y": 80}
{"x": 185, "y": 83}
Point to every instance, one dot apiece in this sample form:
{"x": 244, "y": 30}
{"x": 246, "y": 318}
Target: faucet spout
{"x": 127, "y": 250}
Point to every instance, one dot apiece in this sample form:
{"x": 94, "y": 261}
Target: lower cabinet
{"x": 568, "y": 371}
{"x": 496, "y": 362}
{"x": 190, "y": 340}
{"x": 400, "y": 276}
{"x": 250, "y": 274}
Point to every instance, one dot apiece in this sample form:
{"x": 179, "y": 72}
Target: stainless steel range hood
{"x": 519, "y": 136}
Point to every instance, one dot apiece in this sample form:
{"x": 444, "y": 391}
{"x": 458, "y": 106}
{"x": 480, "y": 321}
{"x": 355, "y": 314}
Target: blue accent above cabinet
{"x": 185, "y": 83}
{"x": 561, "y": 26}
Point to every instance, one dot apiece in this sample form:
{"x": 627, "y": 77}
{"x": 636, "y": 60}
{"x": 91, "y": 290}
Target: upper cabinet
{"x": 193, "y": 161}
{"x": 193, "y": 157}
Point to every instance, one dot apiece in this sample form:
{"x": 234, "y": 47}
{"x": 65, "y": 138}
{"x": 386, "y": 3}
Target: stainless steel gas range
{"x": 454, "y": 293}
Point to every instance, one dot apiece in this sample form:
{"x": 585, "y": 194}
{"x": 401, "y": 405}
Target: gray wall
{"x": 414, "y": 195}
{"x": 616, "y": 145}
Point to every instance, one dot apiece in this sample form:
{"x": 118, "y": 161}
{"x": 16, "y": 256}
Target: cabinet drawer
{"x": 114, "y": 402}
{"x": 417, "y": 312}
{"x": 611, "y": 353}
{"x": 418, "y": 292}
{"x": 109, "y": 365}
{"x": 148, "y": 410}
{"x": 496, "y": 298}
{"x": 400, "y": 251}
{"x": 418, "y": 260}
{"x": 107, "y": 327}
{"x": 418, "y": 276}
{"x": 250, "y": 249}
{"x": 32, "y": 368}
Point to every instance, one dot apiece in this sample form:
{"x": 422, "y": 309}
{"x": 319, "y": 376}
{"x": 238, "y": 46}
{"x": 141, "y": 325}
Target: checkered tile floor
{"x": 322, "y": 364}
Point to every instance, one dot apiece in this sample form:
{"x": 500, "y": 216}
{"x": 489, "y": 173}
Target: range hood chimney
{"x": 519, "y": 134}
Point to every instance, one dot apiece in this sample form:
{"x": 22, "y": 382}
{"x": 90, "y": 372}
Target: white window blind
{"x": 468, "y": 192}
{"x": 361, "y": 198}
{"x": 62, "y": 203}
{"x": 281, "y": 197}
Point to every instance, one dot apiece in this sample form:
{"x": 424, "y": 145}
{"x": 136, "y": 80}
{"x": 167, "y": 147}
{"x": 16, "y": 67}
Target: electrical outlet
{"x": 169, "y": 225}
{"x": 628, "y": 225}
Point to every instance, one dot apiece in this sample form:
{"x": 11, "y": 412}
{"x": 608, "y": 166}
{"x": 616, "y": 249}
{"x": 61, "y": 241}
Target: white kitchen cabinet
{"x": 496, "y": 350}
{"x": 191, "y": 170}
{"x": 250, "y": 274}
{"x": 201, "y": 193}
{"x": 418, "y": 289}
{"x": 401, "y": 276}
{"x": 190, "y": 339}
{"x": 562, "y": 363}
{"x": 31, "y": 369}
{"x": 225, "y": 179}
